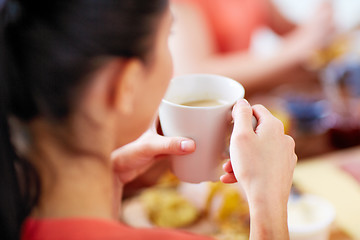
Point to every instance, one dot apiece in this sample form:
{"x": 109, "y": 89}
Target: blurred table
{"x": 336, "y": 177}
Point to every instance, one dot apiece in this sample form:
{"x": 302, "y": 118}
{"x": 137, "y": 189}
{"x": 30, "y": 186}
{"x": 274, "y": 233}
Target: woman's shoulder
{"x": 94, "y": 229}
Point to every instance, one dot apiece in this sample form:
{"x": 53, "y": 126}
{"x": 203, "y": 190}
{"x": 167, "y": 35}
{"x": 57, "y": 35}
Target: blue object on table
{"x": 307, "y": 114}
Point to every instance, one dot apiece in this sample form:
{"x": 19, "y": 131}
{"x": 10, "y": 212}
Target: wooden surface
{"x": 336, "y": 177}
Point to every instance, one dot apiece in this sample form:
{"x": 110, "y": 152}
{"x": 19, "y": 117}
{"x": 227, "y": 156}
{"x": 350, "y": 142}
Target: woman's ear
{"x": 126, "y": 85}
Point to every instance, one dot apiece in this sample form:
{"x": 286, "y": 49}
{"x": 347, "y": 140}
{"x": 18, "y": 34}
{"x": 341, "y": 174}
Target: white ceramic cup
{"x": 207, "y": 126}
{"x": 310, "y": 218}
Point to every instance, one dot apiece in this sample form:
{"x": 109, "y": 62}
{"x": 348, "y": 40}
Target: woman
{"x": 80, "y": 82}
{"x": 215, "y": 37}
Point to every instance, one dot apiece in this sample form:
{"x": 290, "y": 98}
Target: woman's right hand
{"x": 263, "y": 161}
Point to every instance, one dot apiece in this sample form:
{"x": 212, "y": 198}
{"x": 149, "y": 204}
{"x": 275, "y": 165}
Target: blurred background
{"x": 302, "y": 61}
{"x": 322, "y": 114}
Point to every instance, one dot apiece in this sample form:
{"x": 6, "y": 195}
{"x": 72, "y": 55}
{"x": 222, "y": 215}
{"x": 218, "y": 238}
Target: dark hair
{"x": 47, "y": 51}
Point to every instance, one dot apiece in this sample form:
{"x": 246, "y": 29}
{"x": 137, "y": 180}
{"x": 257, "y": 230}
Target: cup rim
{"x": 228, "y": 104}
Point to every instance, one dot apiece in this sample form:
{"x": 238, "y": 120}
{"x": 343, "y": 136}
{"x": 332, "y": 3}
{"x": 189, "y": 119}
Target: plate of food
{"x": 209, "y": 208}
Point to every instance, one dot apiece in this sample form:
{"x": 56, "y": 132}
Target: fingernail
{"x": 187, "y": 145}
{"x": 243, "y": 102}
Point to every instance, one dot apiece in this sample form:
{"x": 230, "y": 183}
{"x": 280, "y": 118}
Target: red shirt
{"x": 96, "y": 229}
{"x": 232, "y": 22}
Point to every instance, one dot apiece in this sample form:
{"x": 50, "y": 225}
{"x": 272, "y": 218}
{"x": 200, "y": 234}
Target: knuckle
{"x": 243, "y": 110}
{"x": 293, "y": 161}
{"x": 278, "y": 123}
{"x": 146, "y": 149}
{"x": 170, "y": 146}
{"x": 240, "y": 137}
{"x": 295, "y": 158}
{"x": 290, "y": 141}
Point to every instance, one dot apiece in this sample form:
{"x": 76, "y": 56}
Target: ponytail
{"x": 14, "y": 206}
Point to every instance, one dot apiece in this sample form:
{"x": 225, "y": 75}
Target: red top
{"x": 232, "y": 22}
{"x": 96, "y": 229}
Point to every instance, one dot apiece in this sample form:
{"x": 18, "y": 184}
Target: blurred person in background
{"x": 80, "y": 83}
{"x": 215, "y": 37}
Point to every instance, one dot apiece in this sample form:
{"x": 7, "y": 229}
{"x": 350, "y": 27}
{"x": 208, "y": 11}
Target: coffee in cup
{"x": 204, "y": 103}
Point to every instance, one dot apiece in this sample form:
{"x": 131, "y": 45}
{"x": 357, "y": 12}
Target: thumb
{"x": 172, "y": 146}
{"x": 243, "y": 117}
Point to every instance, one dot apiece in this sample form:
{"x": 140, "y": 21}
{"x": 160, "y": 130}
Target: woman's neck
{"x": 73, "y": 183}
{"x": 75, "y": 192}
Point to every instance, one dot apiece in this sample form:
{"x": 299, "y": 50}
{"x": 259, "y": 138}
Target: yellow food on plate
{"x": 168, "y": 180}
{"x": 213, "y": 209}
{"x": 228, "y": 208}
{"x": 167, "y": 208}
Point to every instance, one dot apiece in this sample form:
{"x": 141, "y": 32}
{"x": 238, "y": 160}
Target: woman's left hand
{"x": 136, "y": 157}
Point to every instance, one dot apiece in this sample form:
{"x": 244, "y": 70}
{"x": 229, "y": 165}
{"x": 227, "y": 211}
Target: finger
{"x": 227, "y": 167}
{"x": 242, "y": 114}
{"x": 228, "y": 178}
{"x": 171, "y": 145}
{"x": 266, "y": 121}
{"x": 126, "y": 176}
{"x": 122, "y": 158}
